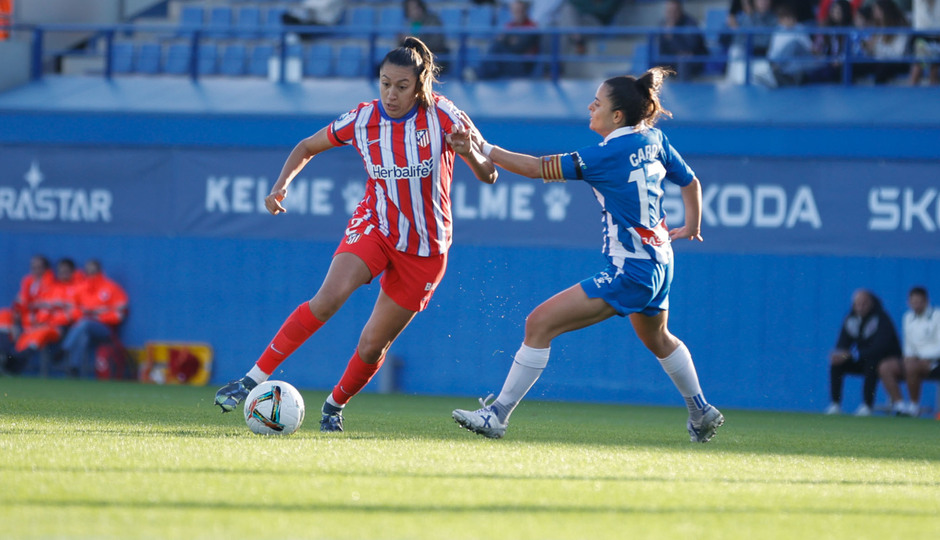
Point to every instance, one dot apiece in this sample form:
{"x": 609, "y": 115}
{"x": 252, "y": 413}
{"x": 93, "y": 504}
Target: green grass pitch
{"x": 87, "y": 459}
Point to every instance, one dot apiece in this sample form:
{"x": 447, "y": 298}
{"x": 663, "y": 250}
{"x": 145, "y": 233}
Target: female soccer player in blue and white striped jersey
{"x": 626, "y": 171}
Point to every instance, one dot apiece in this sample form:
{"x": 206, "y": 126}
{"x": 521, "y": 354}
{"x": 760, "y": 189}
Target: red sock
{"x": 355, "y": 378}
{"x": 300, "y": 325}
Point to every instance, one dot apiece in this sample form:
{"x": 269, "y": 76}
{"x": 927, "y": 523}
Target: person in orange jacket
{"x": 39, "y": 278}
{"x": 54, "y": 311}
{"x": 100, "y": 307}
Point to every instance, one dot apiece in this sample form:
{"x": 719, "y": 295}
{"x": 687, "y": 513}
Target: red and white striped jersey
{"x": 410, "y": 168}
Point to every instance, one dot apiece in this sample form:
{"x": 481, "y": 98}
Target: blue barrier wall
{"x": 798, "y": 214}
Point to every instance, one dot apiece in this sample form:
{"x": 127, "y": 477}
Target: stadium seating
{"x": 319, "y": 61}
{"x": 272, "y": 22}
{"x": 452, "y": 17}
{"x": 641, "y": 57}
{"x": 475, "y": 57}
{"x": 178, "y": 58}
{"x": 191, "y": 17}
{"x": 122, "y": 57}
{"x": 391, "y": 21}
{"x": 351, "y": 61}
{"x": 378, "y": 23}
{"x": 359, "y": 18}
{"x": 207, "y": 61}
{"x": 220, "y": 21}
{"x": 479, "y": 17}
{"x": 248, "y": 23}
{"x": 715, "y": 21}
{"x": 149, "y": 56}
{"x": 258, "y": 61}
{"x": 233, "y": 59}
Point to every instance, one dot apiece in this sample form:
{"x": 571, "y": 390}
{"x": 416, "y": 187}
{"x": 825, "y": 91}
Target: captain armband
{"x": 551, "y": 168}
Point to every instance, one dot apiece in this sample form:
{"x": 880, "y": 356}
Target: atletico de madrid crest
{"x": 423, "y": 139}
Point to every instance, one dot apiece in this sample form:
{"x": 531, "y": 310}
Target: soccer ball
{"x": 274, "y": 408}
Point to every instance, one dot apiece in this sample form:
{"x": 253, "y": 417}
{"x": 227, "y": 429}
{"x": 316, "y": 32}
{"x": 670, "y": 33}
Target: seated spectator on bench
{"x": 921, "y": 331}
{"x": 867, "y": 339}
{"x": 101, "y": 306}
{"x": 54, "y": 311}
{"x": 39, "y": 278}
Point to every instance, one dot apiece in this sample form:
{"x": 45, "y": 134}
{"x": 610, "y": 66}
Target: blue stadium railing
{"x": 551, "y": 59}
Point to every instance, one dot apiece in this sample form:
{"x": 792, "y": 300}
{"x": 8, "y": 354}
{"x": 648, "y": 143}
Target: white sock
{"x": 257, "y": 375}
{"x": 681, "y": 370}
{"x": 332, "y": 402}
{"x": 526, "y": 369}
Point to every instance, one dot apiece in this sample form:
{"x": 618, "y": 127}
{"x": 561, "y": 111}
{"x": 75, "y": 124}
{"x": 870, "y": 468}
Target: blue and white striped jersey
{"x": 627, "y": 171}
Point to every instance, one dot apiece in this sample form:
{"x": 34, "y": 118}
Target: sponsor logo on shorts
{"x": 602, "y": 279}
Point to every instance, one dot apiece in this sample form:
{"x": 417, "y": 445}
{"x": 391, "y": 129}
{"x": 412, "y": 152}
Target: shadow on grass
{"x": 255, "y": 507}
{"x": 293, "y": 473}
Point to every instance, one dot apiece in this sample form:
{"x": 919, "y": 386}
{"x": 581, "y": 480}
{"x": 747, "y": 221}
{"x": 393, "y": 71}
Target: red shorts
{"x": 408, "y": 279}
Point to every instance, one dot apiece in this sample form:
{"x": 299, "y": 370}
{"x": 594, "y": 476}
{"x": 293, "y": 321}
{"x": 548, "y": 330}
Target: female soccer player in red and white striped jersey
{"x": 402, "y": 227}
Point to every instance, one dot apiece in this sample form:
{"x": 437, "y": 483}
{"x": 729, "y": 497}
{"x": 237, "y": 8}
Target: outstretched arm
{"x": 296, "y": 160}
{"x": 692, "y": 200}
{"x": 463, "y": 143}
{"x": 522, "y": 164}
{"x": 465, "y": 140}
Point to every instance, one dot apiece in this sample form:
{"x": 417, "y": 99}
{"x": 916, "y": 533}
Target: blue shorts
{"x": 642, "y": 287}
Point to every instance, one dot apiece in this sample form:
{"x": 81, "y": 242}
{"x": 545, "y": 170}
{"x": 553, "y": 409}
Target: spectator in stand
{"x": 754, "y": 14}
{"x": 55, "y": 310}
{"x": 12, "y": 319}
{"x": 420, "y": 19}
{"x": 824, "y": 10}
{"x": 927, "y": 46}
{"x": 921, "y": 330}
{"x": 680, "y": 44}
{"x": 101, "y": 305}
{"x": 803, "y": 10}
{"x": 885, "y": 46}
{"x": 6, "y": 18}
{"x": 545, "y": 13}
{"x": 831, "y": 47}
{"x": 510, "y": 43}
{"x": 791, "y": 52}
{"x": 591, "y": 13}
{"x": 867, "y": 339}
{"x": 314, "y": 13}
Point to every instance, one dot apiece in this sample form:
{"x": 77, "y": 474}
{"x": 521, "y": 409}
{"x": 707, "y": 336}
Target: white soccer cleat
{"x": 703, "y": 430}
{"x": 905, "y": 408}
{"x": 900, "y": 408}
{"x": 833, "y": 408}
{"x": 483, "y": 421}
{"x": 863, "y": 410}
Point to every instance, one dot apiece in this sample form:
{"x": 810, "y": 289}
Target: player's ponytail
{"x": 638, "y": 98}
{"x": 415, "y": 54}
